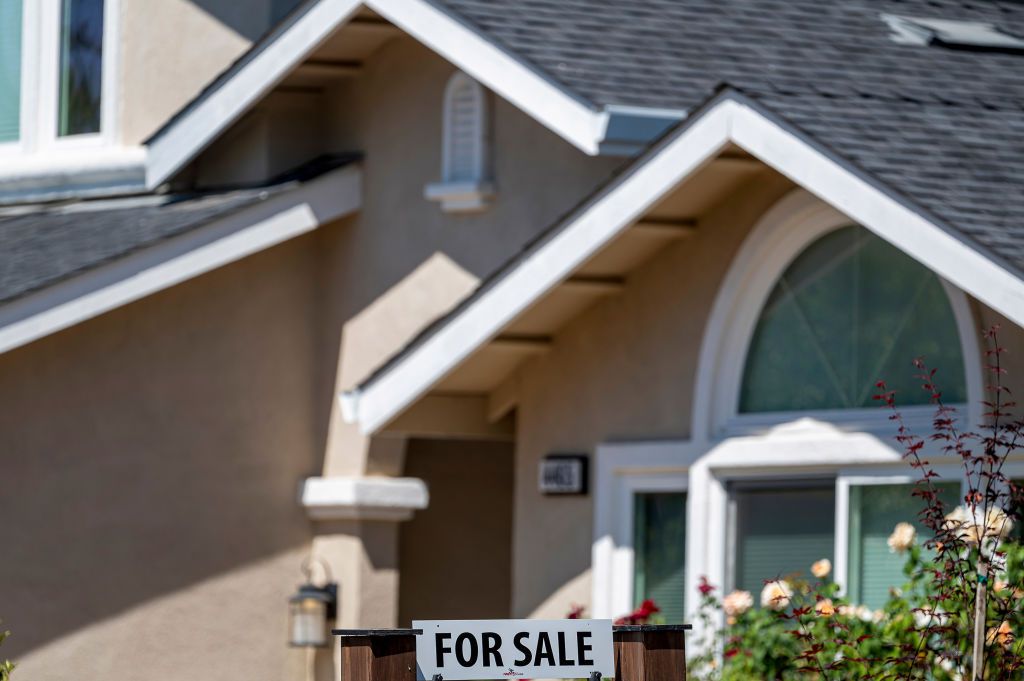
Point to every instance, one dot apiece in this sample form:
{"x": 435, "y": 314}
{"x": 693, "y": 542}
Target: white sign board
{"x": 512, "y": 649}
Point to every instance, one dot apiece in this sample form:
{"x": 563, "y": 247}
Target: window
{"x": 659, "y": 543}
{"x": 780, "y": 530}
{"x": 851, "y": 309}
{"x": 875, "y": 510}
{"x": 81, "y": 67}
{"x": 10, "y": 70}
{"x": 464, "y": 148}
{"x": 56, "y": 75}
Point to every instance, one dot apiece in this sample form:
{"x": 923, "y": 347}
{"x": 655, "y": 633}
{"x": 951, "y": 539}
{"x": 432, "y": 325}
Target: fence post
{"x": 650, "y": 652}
{"x": 378, "y": 654}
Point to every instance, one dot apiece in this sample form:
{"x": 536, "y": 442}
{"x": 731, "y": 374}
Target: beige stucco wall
{"x": 392, "y": 112}
{"x": 150, "y": 461}
{"x": 624, "y": 369}
{"x": 170, "y": 49}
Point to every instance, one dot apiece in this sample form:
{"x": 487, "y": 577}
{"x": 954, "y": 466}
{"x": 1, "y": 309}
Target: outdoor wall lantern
{"x": 310, "y": 608}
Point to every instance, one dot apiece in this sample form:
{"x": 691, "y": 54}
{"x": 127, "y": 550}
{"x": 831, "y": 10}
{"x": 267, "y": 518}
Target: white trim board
{"x": 253, "y": 229}
{"x": 363, "y": 498}
{"x": 730, "y": 119}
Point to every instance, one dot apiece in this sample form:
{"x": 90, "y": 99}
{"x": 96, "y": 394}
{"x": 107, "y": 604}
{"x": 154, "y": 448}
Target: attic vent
{"x": 463, "y": 129}
{"x": 964, "y": 35}
{"x": 464, "y": 160}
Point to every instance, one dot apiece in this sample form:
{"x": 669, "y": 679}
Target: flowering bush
{"x": 804, "y": 625}
{"x": 954, "y": 618}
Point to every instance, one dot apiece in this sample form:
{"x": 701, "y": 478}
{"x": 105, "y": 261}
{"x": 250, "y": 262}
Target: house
{"x": 327, "y": 284}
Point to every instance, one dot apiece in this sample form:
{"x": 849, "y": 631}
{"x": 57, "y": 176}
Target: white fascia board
{"x": 363, "y": 498}
{"x": 185, "y": 138}
{"x": 944, "y": 252}
{"x": 731, "y": 120}
{"x": 273, "y": 221}
{"x": 589, "y": 230}
{"x": 569, "y": 117}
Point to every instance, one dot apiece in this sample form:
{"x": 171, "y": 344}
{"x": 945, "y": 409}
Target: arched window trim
{"x": 788, "y": 228}
{"x": 463, "y": 194}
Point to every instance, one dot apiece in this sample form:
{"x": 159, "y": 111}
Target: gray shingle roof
{"x": 43, "y": 245}
{"x": 942, "y": 127}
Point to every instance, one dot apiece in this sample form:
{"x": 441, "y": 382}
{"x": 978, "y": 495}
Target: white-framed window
{"x": 465, "y": 148}
{"x": 58, "y": 75}
{"x": 788, "y": 465}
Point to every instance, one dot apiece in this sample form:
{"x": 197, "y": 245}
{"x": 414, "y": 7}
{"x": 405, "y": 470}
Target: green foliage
{"x": 917, "y": 633}
{"x": 6, "y": 667}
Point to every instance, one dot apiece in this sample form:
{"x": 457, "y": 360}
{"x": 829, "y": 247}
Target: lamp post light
{"x": 309, "y": 610}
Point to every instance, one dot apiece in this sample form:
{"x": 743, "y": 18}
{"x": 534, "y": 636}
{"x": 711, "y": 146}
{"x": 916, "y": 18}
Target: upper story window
{"x": 465, "y": 147}
{"x": 55, "y": 77}
{"x": 848, "y": 311}
{"x": 10, "y": 70}
{"x": 81, "y": 67}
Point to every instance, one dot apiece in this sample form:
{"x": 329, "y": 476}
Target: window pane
{"x": 10, "y": 70}
{"x": 81, "y": 67}
{"x": 874, "y": 512}
{"x": 782, "y": 532}
{"x": 851, "y": 310}
{"x": 659, "y": 522}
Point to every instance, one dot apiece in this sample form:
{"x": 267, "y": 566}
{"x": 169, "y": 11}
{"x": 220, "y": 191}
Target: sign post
{"x": 464, "y": 650}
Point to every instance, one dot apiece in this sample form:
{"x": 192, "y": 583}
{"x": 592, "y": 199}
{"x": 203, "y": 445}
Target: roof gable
{"x": 730, "y": 118}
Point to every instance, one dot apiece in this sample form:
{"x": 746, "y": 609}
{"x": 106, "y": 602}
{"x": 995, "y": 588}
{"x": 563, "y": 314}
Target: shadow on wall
{"x": 249, "y": 19}
{"x": 156, "y": 447}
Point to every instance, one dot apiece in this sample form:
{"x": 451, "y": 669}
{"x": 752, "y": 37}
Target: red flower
{"x": 704, "y": 587}
{"x": 575, "y": 612}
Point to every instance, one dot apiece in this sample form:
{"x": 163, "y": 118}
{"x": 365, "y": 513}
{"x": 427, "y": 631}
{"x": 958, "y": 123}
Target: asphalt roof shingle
{"x": 942, "y": 127}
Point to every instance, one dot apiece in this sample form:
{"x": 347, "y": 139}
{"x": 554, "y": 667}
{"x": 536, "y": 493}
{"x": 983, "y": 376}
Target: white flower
{"x": 821, "y": 568}
{"x": 737, "y": 603}
{"x": 776, "y": 594}
{"x": 864, "y": 613}
{"x": 969, "y": 527}
{"x": 902, "y": 538}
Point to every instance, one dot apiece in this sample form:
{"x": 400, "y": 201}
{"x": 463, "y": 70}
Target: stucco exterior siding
{"x": 170, "y": 49}
{"x": 624, "y": 369}
{"x": 150, "y": 461}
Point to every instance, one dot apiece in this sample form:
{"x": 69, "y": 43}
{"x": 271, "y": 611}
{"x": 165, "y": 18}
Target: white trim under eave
{"x": 731, "y": 119}
{"x": 253, "y": 229}
{"x": 539, "y": 97}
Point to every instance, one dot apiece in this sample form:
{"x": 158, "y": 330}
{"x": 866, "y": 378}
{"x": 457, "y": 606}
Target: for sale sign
{"x": 510, "y": 649}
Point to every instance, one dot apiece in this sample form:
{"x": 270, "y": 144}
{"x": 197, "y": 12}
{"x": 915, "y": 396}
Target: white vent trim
{"x": 465, "y": 148}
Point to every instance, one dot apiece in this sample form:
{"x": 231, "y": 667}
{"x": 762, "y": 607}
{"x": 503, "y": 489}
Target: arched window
{"x": 850, "y": 310}
{"x": 464, "y": 155}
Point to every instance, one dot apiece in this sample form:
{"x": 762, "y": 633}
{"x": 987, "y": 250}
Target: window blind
{"x": 875, "y": 511}
{"x": 660, "y": 552}
{"x": 10, "y": 70}
{"x": 781, "y": 532}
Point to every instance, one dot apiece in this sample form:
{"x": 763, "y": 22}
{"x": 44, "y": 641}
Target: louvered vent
{"x": 464, "y": 121}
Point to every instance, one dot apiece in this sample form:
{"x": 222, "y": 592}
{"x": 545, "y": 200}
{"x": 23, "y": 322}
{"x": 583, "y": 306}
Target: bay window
{"x": 875, "y": 510}
{"x": 779, "y": 530}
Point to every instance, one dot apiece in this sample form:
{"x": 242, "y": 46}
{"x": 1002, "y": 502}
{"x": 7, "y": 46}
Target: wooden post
{"x": 378, "y": 654}
{"x": 650, "y": 652}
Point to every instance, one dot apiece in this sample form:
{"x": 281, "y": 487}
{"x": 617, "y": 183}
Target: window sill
{"x": 460, "y": 197}
{"x": 72, "y": 173}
